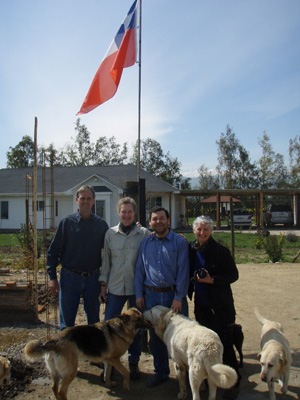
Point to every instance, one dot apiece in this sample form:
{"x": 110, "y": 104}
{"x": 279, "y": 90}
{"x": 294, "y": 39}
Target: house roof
{"x": 13, "y": 180}
{"x": 223, "y": 199}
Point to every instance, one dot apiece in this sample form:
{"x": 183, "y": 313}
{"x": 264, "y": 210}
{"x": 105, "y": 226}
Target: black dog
{"x": 238, "y": 339}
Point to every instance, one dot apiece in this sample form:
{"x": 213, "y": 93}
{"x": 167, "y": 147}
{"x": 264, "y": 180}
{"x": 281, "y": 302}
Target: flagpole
{"x": 139, "y": 93}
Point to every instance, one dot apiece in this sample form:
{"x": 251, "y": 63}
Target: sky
{"x": 205, "y": 64}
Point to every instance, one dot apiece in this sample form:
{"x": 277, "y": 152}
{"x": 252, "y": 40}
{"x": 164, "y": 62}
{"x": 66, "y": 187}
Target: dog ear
{"x": 161, "y": 323}
{"x": 282, "y": 360}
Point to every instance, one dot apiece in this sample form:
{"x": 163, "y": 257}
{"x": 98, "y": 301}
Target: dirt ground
{"x": 273, "y": 288}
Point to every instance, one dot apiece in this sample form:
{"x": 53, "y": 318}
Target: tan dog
{"x": 193, "y": 348}
{"x": 4, "y": 371}
{"x": 106, "y": 342}
{"x": 275, "y": 356}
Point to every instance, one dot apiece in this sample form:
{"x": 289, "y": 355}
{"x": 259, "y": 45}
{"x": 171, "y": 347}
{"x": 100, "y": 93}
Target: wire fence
{"x": 241, "y": 211}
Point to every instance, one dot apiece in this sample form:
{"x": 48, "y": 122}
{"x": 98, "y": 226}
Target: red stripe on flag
{"x": 109, "y": 73}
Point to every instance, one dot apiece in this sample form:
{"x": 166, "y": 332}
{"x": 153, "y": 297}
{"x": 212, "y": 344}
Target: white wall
{"x": 16, "y": 213}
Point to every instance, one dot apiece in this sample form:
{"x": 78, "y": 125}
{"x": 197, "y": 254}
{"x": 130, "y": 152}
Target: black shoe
{"x": 156, "y": 380}
{"x": 135, "y": 373}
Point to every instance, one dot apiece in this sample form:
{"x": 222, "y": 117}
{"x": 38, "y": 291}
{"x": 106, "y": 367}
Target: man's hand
{"x": 140, "y": 303}
{"x": 103, "y": 293}
{"x": 176, "y": 306}
{"x": 54, "y": 286}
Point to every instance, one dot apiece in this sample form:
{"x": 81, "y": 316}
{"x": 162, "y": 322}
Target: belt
{"x": 85, "y": 274}
{"x": 161, "y": 289}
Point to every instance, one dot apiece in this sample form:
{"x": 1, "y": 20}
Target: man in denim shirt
{"x": 162, "y": 278}
{"x": 77, "y": 246}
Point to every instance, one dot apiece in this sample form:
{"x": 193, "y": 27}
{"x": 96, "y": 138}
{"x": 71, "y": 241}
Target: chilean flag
{"x": 121, "y": 54}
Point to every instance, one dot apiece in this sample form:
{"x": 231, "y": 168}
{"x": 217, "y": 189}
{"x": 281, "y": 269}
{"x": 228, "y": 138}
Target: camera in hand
{"x": 201, "y": 273}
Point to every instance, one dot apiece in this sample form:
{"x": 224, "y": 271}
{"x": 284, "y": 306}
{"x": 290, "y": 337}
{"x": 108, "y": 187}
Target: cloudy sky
{"x": 205, "y": 64}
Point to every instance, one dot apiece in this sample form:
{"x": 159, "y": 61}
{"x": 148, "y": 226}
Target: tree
{"x": 151, "y": 156}
{"x": 48, "y": 156}
{"x": 246, "y": 171}
{"x": 207, "y": 180}
{"x": 272, "y": 171}
{"x": 228, "y": 145}
{"x": 22, "y": 155}
{"x": 265, "y": 162}
{"x": 185, "y": 184}
{"x": 153, "y": 160}
{"x": 82, "y": 152}
{"x": 235, "y": 167}
{"x": 294, "y": 154}
{"x": 171, "y": 172}
{"x": 281, "y": 177}
{"x": 108, "y": 152}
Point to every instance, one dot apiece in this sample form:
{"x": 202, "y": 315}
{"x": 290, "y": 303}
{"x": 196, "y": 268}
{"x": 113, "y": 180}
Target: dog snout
{"x": 263, "y": 378}
{"x": 148, "y": 324}
{"x": 143, "y": 323}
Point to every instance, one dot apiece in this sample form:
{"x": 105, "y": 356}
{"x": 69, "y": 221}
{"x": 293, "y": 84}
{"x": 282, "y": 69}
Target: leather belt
{"x": 160, "y": 289}
{"x": 84, "y": 274}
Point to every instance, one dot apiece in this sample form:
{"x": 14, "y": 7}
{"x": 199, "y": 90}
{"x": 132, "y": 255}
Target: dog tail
{"x": 35, "y": 349}
{"x": 261, "y": 319}
{"x": 222, "y": 375}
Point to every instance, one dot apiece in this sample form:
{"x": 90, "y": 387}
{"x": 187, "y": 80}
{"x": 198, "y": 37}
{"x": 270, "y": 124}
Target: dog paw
{"x": 284, "y": 390}
{"x": 111, "y": 384}
{"x": 126, "y": 385}
{"x": 182, "y": 395}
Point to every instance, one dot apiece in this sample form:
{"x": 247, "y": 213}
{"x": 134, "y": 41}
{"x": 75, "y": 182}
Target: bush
{"x": 292, "y": 238}
{"x": 272, "y": 244}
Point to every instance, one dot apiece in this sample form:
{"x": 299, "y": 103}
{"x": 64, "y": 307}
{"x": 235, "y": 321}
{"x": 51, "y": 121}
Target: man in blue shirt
{"x": 162, "y": 278}
{"x": 77, "y": 246}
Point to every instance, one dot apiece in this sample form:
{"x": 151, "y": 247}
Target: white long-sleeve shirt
{"x": 119, "y": 257}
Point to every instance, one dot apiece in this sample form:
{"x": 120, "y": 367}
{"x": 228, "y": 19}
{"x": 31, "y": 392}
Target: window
{"x": 281, "y": 208}
{"x": 4, "y": 209}
{"x": 40, "y": 205}
{"x": 153, "y": 202}
{"x": 99, "y": 208}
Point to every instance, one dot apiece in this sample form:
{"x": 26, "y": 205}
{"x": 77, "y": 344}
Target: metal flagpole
{"x": 139, "y": 91}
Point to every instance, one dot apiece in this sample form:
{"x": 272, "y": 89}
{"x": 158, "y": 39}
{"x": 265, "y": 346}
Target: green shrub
{"x": 272, "y": 244}
{"x": 292, "y": 238}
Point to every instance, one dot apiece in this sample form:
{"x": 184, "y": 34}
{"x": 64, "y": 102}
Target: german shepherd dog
{"x": 105, "y": 341}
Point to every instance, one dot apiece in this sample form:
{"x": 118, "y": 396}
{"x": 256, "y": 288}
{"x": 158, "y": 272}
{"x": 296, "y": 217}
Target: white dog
{"x": 194, "y": 348}
{"x": 4, "y": 371}
{"x": 275, "y": 356}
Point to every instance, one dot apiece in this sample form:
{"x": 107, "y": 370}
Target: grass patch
{"x": 9, "y": 239}
{"x": 245, "y": 247}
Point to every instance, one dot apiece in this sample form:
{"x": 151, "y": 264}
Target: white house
{"x": 56, "y": 192}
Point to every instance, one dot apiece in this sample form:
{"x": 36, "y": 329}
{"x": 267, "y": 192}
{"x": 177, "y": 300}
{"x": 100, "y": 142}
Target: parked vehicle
{"x": 241, "y": 219}
{"x": 279, "y": 214}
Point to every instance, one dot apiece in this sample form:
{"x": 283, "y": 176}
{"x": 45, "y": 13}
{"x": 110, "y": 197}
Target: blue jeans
{"x": 157, "y": 347}
{"x": 113, "y": 307}
{"x": 72, "y": 287}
